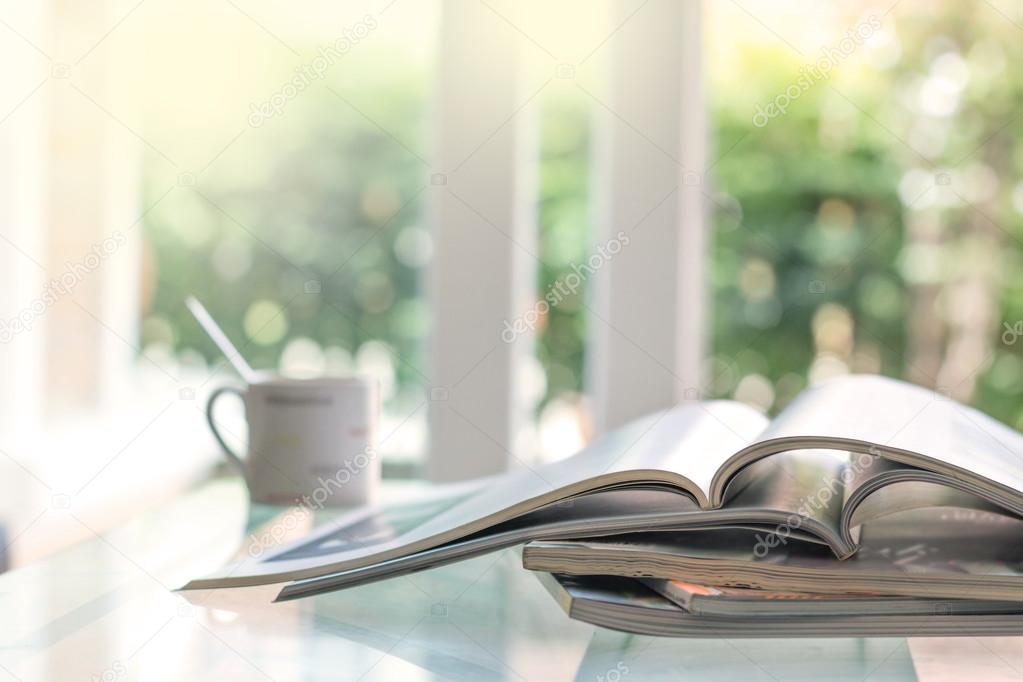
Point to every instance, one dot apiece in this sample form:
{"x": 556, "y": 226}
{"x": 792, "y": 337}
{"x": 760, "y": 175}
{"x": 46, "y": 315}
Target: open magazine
{"x": 844, "y": 453}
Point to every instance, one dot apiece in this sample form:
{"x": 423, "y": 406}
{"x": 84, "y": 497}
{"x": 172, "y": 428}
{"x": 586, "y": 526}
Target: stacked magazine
{"x": 866, "y": 507}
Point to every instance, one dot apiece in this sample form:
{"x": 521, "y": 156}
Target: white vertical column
{"x": 648, "y": 322}
{"x": 692, "y": 320}
{"x": 93, "y": 200}
{"x": 483, "y": 224}
{"x": 23, "y": 143}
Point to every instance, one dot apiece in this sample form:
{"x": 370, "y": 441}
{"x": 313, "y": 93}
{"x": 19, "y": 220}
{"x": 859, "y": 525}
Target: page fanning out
{"x": 691, "y": 441}
{"x": 897, "y": 415}
{"x": 805, "y": 483}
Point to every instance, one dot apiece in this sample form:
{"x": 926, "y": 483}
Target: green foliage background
{"x": 807, "y": 209}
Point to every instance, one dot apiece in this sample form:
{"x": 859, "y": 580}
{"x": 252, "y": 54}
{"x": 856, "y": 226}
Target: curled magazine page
{"x": 902, "y": 496}
{"x": 805, "y": 487}
{"x": 680, "y": 448}
{"x": 902, "y": 422}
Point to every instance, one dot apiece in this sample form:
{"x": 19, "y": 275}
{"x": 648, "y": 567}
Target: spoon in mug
{"x": 213, "y": 330}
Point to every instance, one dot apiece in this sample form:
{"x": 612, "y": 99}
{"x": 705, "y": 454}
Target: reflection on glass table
{"x": 108, "y": 609}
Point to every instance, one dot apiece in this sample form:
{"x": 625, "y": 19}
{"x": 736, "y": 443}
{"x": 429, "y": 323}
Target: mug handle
{"x": 232, "y": 456}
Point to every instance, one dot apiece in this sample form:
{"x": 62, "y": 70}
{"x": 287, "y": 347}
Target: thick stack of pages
{"x": 866, "y": 506}
{"x": 956, "y": 574}
{"x": 651, "y": 609}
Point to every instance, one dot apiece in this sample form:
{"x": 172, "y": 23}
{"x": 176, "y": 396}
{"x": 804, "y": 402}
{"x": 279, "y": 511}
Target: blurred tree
{"x": 874, "y": 226}
{"x": 326, "y": 243}
{"x": 955, "y": 129}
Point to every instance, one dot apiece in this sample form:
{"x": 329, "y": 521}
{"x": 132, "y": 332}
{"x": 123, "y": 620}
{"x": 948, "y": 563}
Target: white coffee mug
{"x": 311, "y": 441}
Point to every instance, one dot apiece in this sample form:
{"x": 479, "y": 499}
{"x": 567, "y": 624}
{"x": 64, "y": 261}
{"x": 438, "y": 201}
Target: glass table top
{"x": 107, "y": 609}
